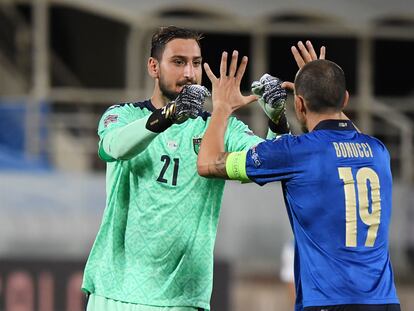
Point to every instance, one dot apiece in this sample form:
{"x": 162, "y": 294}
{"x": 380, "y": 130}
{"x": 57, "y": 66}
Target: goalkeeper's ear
{"x": 153, "y": 67}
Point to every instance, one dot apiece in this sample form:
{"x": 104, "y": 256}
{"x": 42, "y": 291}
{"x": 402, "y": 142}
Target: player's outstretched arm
{"x": 226, "y": 98}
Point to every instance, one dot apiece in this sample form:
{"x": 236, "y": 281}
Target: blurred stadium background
{"x": 63, "y": 62}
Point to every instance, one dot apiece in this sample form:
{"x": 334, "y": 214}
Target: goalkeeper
{"x": 154, "y": 248}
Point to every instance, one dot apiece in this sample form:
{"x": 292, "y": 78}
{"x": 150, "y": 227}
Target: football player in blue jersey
{"x": 336, "y": 183}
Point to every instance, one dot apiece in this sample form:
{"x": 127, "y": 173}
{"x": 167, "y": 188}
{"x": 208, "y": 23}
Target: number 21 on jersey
{"x": 167, "y": 160}
{"x": 365, "y": 199}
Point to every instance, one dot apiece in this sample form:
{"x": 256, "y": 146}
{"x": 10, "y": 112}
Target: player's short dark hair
{"x": 322, "y": 84}
{"x": 165, "y": 34}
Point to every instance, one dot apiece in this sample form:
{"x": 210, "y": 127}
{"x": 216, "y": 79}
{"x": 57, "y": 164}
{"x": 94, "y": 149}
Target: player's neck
{"x": 313, "y": 119}
{"x": 158, "y": 100}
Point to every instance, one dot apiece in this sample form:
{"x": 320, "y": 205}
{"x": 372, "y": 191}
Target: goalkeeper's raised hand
{"x": 188, "y": 104}
{"x": 272, "y": 99}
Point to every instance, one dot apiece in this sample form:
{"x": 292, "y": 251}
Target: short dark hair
{"x": 165, "y": 34}
{"x": 322, "y": 84}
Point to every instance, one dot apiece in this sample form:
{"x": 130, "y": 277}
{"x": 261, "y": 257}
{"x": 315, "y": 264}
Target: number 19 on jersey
{"x": 367, "y": 200}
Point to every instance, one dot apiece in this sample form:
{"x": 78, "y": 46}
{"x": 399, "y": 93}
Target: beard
{"x": 171, "y": 94}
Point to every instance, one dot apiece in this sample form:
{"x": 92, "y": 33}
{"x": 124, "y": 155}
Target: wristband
{"x": 282, "y": 127}
{"x": 160, "y": 119}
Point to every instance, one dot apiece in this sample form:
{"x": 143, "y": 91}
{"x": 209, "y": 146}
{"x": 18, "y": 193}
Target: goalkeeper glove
{"x": 188, "y": 104}
{"x": 272, "y": 99}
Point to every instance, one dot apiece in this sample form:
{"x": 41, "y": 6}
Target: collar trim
{"x": 336, "y": 125}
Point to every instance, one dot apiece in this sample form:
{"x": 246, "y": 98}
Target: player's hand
{"x": 303, "y": 54}
{"x": 226, "y": 88}
{"x": 272, "y": 97}
{"x": 188, "y": 104}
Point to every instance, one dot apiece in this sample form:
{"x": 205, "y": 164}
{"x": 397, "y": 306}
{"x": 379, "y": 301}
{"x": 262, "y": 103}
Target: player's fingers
{"x": 233, "y": 64}
{"x": 311, "y": 50}
{"x": 298, "y": 58}
{"x": 241, "y": 70}
{"x": 223, "y": 65}
{"x": 322, "y": 53}
{"x": 305, "y": 54}
{"x": 209, "y": 73}
{"x": 249, "y": 99}
{"x": 288, "y": 85}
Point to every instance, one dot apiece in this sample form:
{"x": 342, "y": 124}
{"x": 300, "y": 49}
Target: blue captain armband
{"x": 236, "y": 166}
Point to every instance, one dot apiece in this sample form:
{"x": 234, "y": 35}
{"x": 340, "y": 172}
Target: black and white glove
{"x": 188, "y": 104}
{"x": 272, "y": 96}
{"x": 272, "y": 99}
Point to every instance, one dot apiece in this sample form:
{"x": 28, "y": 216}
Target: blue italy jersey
{"x": 337, "y": 186}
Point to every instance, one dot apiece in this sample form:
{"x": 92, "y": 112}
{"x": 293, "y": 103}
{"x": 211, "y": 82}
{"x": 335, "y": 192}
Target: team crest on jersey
{"x": 110, "y": 118}
{"x": 196, "y": 144}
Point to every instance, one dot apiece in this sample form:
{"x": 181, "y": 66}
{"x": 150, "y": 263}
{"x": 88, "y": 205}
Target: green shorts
{"x": 99, "y": 303}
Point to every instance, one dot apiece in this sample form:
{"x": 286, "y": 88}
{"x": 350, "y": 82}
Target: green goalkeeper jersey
{"x": 155, "y": 244}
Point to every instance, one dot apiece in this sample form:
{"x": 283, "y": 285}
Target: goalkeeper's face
{"x": 180, "y": 65}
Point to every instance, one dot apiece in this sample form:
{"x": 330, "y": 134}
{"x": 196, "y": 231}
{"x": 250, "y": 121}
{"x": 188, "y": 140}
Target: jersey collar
{"x": 148, "y": 104}
{"x": 336, "y": 125}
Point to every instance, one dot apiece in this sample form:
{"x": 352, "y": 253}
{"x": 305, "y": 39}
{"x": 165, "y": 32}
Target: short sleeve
{"x": 271, "y": 160}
